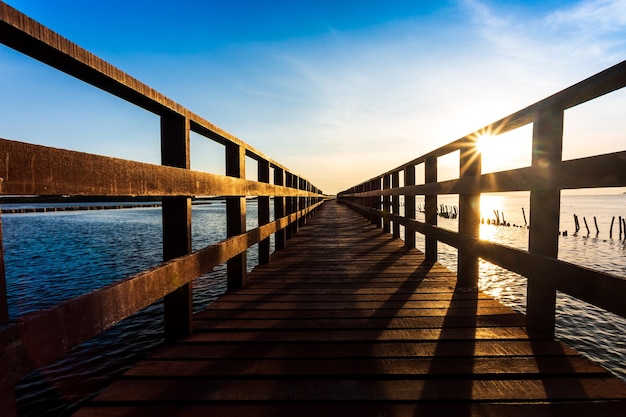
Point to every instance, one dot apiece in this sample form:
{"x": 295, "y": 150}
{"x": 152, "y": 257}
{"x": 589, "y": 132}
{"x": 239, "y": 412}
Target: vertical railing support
{"x": 263, "y": 175}
{"x": 176, "y": 214}
{"x": 280, "y": 237}
{"x": 430, "y": 207}
{"x": 290, "y": 180}
{"x": 7, "y": 390}
{"x": 288, "y": 202}
{"x": 409, "y": 206}
{"x": 4, "y": 302}
{"x": 395, "y": 203}
{"x": 376, "y": 202}
{"x": 386, "y": 204}
{"x": 237, "y": 273}
{"x": 469, "y": 214}
{"x": 301, "y": 201}
{"x": 545, "y": 207}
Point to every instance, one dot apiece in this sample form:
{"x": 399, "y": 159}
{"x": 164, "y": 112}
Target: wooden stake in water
{"x": 611, "y": 229}
{"x": 524, "y": 214}
{"x": 587, "y": 227}
{"x": 596, "y": 223}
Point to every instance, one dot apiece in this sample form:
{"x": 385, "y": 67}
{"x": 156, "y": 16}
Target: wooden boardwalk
{"x": 347, "y": 321}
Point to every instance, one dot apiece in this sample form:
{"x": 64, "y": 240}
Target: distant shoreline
{"x": 76, "y": 208}
{"x": 20, "y": 205}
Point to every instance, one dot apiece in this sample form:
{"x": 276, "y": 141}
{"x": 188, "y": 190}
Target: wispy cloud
{"x": 594, "y": 16}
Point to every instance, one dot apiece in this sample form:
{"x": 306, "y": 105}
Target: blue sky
{"x": 337, "y": 91}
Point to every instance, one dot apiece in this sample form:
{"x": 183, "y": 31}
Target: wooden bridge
{"x": 346, "y": 317}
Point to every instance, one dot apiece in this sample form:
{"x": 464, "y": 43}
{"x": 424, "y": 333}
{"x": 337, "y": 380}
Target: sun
{"x": 487, "y": 144}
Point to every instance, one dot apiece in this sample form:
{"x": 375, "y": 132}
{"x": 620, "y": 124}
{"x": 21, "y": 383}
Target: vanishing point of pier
{"x": 344, "y": 317}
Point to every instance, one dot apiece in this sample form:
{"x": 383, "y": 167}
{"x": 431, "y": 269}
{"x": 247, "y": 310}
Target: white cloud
{"x": 595, "y": 16}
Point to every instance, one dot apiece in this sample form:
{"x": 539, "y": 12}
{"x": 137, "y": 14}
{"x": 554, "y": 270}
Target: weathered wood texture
{"x": 38, "y": 170}
{"x": 348, "y": 320}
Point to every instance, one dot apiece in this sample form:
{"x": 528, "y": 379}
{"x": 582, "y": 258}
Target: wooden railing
{"x": 35, "y": 339}
{"x": 379, "y": 199}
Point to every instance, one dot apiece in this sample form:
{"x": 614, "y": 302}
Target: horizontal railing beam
{"x": 599, "y": 171}
{"x": 28, "y": 169}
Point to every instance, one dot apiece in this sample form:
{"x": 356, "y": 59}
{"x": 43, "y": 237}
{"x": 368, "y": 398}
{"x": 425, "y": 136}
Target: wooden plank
{"x": 352, "y": 390}
{"x": 330, "y": 323}
{"x": 330, "y": 294}
{"x": 312, "y": 409}
{"x": 359, "y": 305}
{"x": 369, "y": 349}
{"x": 341, "y": 313}
{"x": 509, "y": 367}
{"x": 343, "y": 335}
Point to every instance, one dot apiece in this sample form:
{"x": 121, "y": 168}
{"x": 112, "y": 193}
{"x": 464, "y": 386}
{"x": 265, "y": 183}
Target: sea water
{"x": 52, "y": 257}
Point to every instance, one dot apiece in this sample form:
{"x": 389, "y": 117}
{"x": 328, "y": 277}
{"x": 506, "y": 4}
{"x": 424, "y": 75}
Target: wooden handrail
{"x": 545, "y": 179}
{"x": 36, "y": 339}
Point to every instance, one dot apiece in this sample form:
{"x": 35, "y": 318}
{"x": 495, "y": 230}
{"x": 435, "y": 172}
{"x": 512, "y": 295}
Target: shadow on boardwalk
{"x": 346, "y": 320}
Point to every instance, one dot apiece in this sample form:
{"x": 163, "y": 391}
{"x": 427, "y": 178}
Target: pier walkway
{"x": 347, "y": 321}
{"x": 346, "y": 318}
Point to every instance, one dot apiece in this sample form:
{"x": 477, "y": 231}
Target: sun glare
{"x": 486, "y": 144}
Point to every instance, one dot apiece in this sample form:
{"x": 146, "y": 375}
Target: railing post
{"x": 469, "y": 215}
{"x": 263, "y": 175}
{"x": 301, "y": 201}
{"x": 386, "y": 204}
{"x": 237, "y": 273}
{"x": 409, "y": 206}
{"x": 376, "y": 219}
{"x": 4, "y": 302}
{"x": 430, "y": 207}
{"x": 279, "y": 210}
{"x": 363, "y": 201}
{"x": 7, "y": 391}
{"x": 176, "y": 214}
{"x": 395, "y": 203}
{"x": 545, "y": 207}
{"x": 288, "y": 203}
